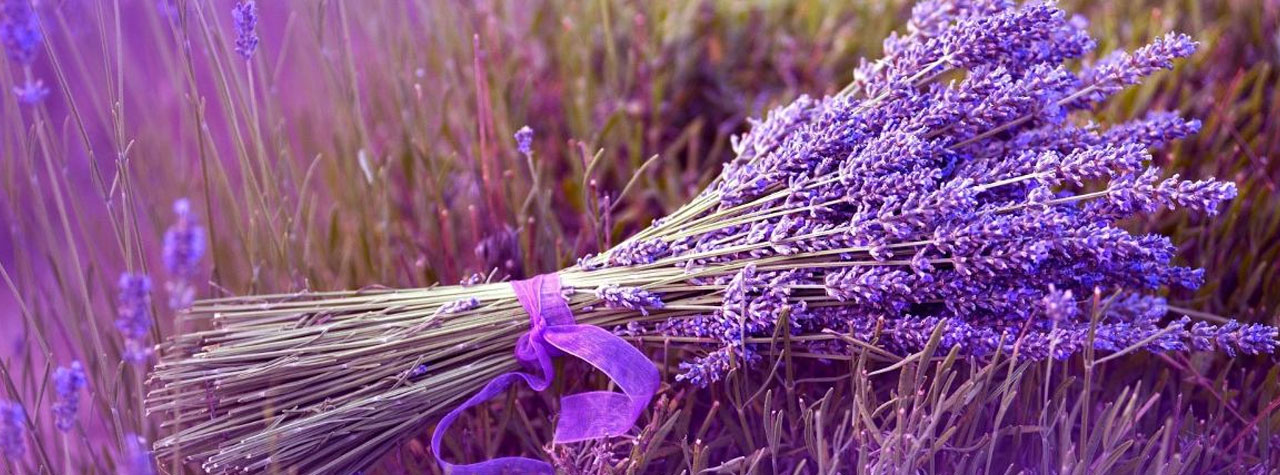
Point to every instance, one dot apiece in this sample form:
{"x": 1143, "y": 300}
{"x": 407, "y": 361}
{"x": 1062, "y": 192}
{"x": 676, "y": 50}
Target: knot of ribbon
{"x": 584, "y": 416}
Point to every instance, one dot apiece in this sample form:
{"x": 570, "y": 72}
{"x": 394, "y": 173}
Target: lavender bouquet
{"x": 954, "y": 188}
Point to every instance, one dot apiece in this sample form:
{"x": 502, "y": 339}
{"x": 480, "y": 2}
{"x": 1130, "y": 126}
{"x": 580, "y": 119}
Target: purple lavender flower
{"x": 524, "y": 140}
{"x": 1234, "y": 337}
{"x": 134, "y": 305}
{"x": 245, "y": 17}
{"x": 184, "y": 245}
{"x": 137, "y": 457}
{"x": 1155, "y": 130}
{"x": 136, "y": 351}
{"x": 13, "y": 430}
{"x": 20, "y": 31}
{"x": 460, "y": 305}
{"x": 31, "y": 91}
{"x": 133, "y": 315}
{"x": 707, "y": 369}
{"x": 21, "y": 37}
{"x": 1059, "y": 305}
{"x": 634, "y": 298}
{"x": 67, "y": 383}
{"x": 473, "y": 279}
{"x": 419, "y": 370}
{"x": 1122, "y": 69}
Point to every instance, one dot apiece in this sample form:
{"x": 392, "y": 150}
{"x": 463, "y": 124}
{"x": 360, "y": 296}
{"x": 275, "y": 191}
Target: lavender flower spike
{"x": 13, "y": 430}
{"x": 20, "y": 36}
{"x": 20, "y": 31}
{"x": 184, "y": 245}
{"x": 134, "y": 308}
{"x": 524, "y": 140}
{"x": 133, "y": 317}
{"x": 460, "y": 305}
{"x": 183, "y": 242}
{"x": 67, "y": 383}
{"x": 245, "y": 16}
{"x": 30, "y": 92}
{"x": 633, "y": 298}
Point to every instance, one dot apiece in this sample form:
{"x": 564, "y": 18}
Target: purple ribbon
{"x": 584, "y": 416}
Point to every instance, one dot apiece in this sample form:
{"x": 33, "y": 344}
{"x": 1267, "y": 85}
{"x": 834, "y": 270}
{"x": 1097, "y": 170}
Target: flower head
{"x": 524, "y": 140}
{"x": 133, "y": 315}
{"x": 184, "y": 243}
{"x": 31, "y": 92}
{"x": 245, "y": 17}
{"x": 67, "y": 383}
{"x": 13, "y": 430}
{"x": 20, "y": 31}
{"x": 634, "y": 298}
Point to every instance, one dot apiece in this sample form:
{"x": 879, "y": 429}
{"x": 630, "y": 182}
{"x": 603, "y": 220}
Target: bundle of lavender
{"x": 956, "y": 183}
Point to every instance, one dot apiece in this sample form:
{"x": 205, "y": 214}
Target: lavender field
{"x": 934, "y": 236}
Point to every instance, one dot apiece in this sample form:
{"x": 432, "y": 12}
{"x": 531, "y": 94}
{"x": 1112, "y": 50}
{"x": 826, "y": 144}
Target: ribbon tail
{"x": 502, "y": 465}
{"x": 599, "y": 414}
{"x": 495, "y": 387}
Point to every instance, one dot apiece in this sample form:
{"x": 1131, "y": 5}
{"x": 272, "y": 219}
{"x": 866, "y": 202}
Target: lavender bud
{"x": 244, "y": 15}
{"x": 524, "y": 140}
{"x": 633, "y": 298}
{"x": 67, "y": 383}
{"x": 13, "y": 430}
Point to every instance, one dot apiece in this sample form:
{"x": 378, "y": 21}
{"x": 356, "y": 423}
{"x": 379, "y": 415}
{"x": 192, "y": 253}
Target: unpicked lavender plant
{"x": 184, "y": 246}
{"x": 21, "y": 37}
{"x": 244, "y": 16}
{"x": 13, "y": 430}
{"x": 133, "y": 316}
{"x": 68, "y": 381}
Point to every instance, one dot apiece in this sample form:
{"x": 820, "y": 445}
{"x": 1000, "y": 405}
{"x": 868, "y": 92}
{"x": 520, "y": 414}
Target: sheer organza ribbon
{"x": 584, "y": 416}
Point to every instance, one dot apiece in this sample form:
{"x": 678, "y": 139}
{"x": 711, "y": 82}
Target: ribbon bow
{"x": 583, "y": 416}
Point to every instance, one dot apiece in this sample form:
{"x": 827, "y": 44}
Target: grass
{"x": 371, "y": 145}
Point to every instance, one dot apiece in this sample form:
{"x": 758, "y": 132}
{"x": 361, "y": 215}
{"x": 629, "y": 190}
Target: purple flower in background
{"x": 183, "y": 242}
{"x": 13, "y": 430}
{"x": 30, "y": 92}
{"x": 67, "y": 383}
{"x": 20, "y": 31}
{"x": 245, "y": 16}
{"x": 137, "y": 459}
{"x": 184, "y": 245}
{"x": 524, "y": 140}
{"x": 21, "y": 37}
{"x": 133, "y": 315}
{"x": 1059, "y": 305}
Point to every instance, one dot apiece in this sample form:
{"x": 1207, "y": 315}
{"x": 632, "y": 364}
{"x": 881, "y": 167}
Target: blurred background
{"x": 370, "y": 144}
